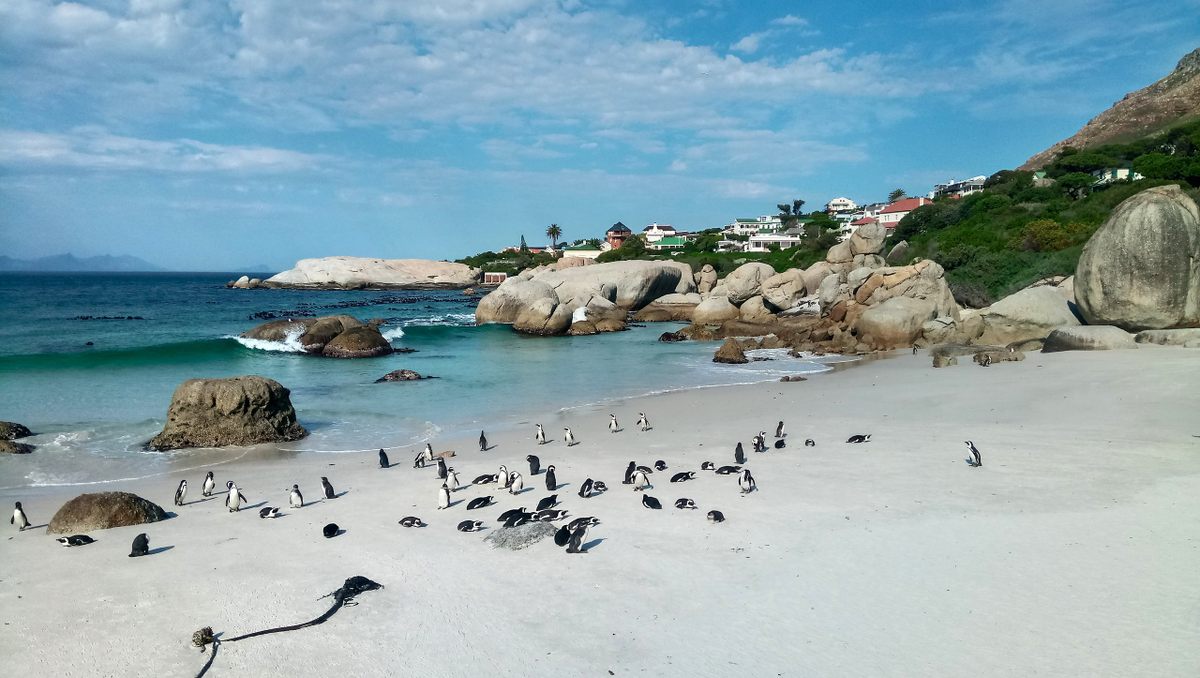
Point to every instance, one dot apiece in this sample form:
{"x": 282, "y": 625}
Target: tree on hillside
{"x": 784, "y": 209}
{"x": 1076, "y": 184}
{"x": 524, "y": 249}
{"x": 797, "y": 205}
{"x": 554, "y": 233}
{"x": 897, "y": 194}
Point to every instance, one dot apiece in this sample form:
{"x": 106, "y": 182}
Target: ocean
{"x": 89, "y": 361}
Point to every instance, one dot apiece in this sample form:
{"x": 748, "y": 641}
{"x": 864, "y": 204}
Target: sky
{"x": 226, "y": 134}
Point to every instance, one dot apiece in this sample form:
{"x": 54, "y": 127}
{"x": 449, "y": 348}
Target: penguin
{"x": 535, "y": 464}
{"x": 209, "y": 484}
{"x": 503, "y": 478}
{"x": 141, "y": 546}
{"x": 650, "y": 502}
{"x": 568, "y": 437}
{"x": 325, "y": 484}
{"x": 726, "y": 470}
{"x": 540, "y": 435}
{"x": 181, "y": 492}
{"x": 235, "y": 498}
{"x": 549, "y": 515}
{"x": 551, "y": 479}
{"x": 578, "y": 539}
{"x": 483, "y": 446}
{"x": 441, "y": 472}
{"x": 411, "y": 521}
{"x": 428, "y": 454}
{"x": 419, "y": 460}
{"x": 809, "y": 442}
{"x": 19, "y": 518}
{"x": 859, "y": 438}
{"x": 295, "y": 499}
{"x": 585, "y": 489}
{"x": 685, "y": 503}
{"x": 780, "y": 444}
{"x": 563, "y": 536}
{"x": 707, "y": 466}
{"x": 643, "y": 422}
{"x": 746, "y": 482}
{"x": 683, "y": 476}
{"x": 75, "y": 540}
{"x": 660, "y": 465}
{"x": 470, "y": 526}
{"x": 613, "y": 426}
{"x": 779, "y": 430}
{"x": 503, "y": 517}
{"x": 452, "y": 479}
{"x": 585, "y": 520}
{"x": 547, "y": 502}
{"x": 330, "y": 531}
{"x": 739, "y": 455}
{"x": 444, "y": 496}
{"x": 518, "y": 519}
{"x": 484, "y": 479}
{"x": 479, "y": 502}
{"x": 516, "y": 483}
{"x": 629, "y": 471}
{"x": 645, "y": 469}
{"x": 640, "y": 481}
{"x": 599, "y": 486}
{"x": 268, "y": 512}
{"x": 716, "y": 516}
{"x": 383, "y": 459}
{"x": 978, "y": 461}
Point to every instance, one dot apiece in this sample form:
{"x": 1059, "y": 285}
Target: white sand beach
{"x": 1073, "y": 551}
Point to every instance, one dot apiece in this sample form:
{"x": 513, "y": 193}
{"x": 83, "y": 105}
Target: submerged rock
{"x": 13, "y": 447}
{"x": 104, "y": 510}
{"x": 401, "y": 375}
{"x": 236, "y": 411}
{"x": 11, "y": 431}
{"x": 357, "y": 342}
{"x": 730, "y": 353}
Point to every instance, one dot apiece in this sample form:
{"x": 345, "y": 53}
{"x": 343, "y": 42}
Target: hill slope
{"x": 70, "y": 262}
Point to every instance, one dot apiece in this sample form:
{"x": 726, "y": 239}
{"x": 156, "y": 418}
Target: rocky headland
{"x": 361, "y": 273}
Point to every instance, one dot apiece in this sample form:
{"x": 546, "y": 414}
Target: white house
{"x": 764, "y": 241}
{"x": 957, "y": 189}
{"x": 1110, "y": 174}
{"x": 585, "y": 251}
{"x": 838, "y": 205}
{"x": 892, "y": 214}
{"x": 762, "y": 224}
{"x": 656, "y": 231}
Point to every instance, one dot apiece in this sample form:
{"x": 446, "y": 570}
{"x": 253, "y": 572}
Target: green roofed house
{"x": 671, "y": 242}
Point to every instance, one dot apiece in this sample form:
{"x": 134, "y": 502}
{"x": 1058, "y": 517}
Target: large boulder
{"x": 280, "y": 330}
{"x": 813, "y": 275}
{"x": 730, "y": 353}
{"x": 104, "y": 510}
{"x": 357, "y": 342}
{"x": 236, "y": 411}
{"x": 714, "y": 310}
{"x": 895, "y": 322}
{"x": 755, "y": 310}
{"x": 784, "y": 290}
{"x": 746, "y": 280}
{"x": 503, "y": 304}
{"x": 1141, "y": 269}
{"x": 840, "y": 253}
{"x": 1028, "y": 314}
{"x": 366, "y": 273}
{"x": 13, "y": 447}
{"x": 321, "y": 331}
{"x": 868, "y": 239}
{"x": 898, "y": 254}
{"x": 11, "y": 431}
{"x": 669, "y": 307}
{"x": 706, "y": 279}
{"x": 1087, "y": 338}
{"x": 1184, "y": 337}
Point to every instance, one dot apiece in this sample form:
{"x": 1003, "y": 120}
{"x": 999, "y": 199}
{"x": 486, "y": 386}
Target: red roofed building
{"x": 892, "y": 214}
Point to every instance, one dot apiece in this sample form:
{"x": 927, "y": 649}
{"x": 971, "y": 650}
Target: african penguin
{"x": 540, "y": 435}
{"x": 780, "y": 444}
{"x": 141, "y": 546}
{"x": 859, "y": 438}
{"x": 660, "y": 465}
{"x": 268, "y": 512}
{"x": 746, "y": 482}
{"x": 428, "y": 453}
{"x": 643, "y": 423}
{"x": 484, "y": 479}
{"x": 75, "y": 540}
{"x": 578, "y": 539}
{"x": 629, "y": 471}
{"x": 19, "y": 518}
{"x": 383, "y": 459}
{"x": 328, "y": 487}
{"x": 550, "y": 515}
{"x": 640, "y": 481}
{"x": 330, "y": 531}
{"x": 441, "y": 471}
{"x": 547, "y": 502}
{"x": 181, "y": 492}
{"x": 650, "y": 502}
{"x": 598, "y": 487}
{"x": 551, "y": 478}
{"x": 419, "y": 460}
{"x": 444, "y": 496}
{"x": 470, "y": 526}
{"x": 516, "y": 483}
{"x": 683, "y": 476}
{"x": 584, "y": 520}
{"x": 483, "y": 445}
{"x": 739, "y": 455}
{"x": 716, "y": 516}
{"x": 535, "y": 464}
{"x": 779, "y": 430}
{"x": 479, "y": 502}
{"x": 563, "y": 536}
{"x": 685, "y": 503}
{"x": 978, "y": 461}
{"x": 503, "y": 478}
{"x": 295, "y": 499}
{"x": 503, "y": 517}
{"x": 568, "y": 437}
{"x": 452, "y": 479}
{"x": 411, "y": 521}
{"x": 707, "y": 466}
{"x": 810, "y": 443}
{"x": 209, "y": 484}
{"x": 613, "y": 426}
{"x": 585, "y": 490}
{"x": 235, "y": 498}
{"x": 726, "y": 470}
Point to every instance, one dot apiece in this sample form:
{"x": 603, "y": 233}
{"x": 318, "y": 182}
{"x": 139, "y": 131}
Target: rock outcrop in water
{"x": 236, "y": 411}
{"x": 104, "y": 510}
{"x": 334, "y": 336}
{"x": 9, "y": 432}
{"x": 360, "y": 273}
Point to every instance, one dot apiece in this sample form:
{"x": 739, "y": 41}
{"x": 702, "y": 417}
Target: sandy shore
{"x": 1074, "y": 551}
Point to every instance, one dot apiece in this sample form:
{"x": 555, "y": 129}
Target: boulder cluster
{"x": 335, "y": 336}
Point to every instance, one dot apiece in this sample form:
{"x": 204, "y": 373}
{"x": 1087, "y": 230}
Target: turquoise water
{"x": 93, "y": 407}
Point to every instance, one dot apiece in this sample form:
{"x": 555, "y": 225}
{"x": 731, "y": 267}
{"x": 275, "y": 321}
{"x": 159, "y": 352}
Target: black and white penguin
{"x": 727, "y": 470}
{"x": 268, "y": 512}
{"x": 650, "y": 502}
{"x": 613, "y": 426}
{"x": 479, "y": 502}
{"x": 516, "y": 483}
{"x": 470, "y": 526}
{"x": 685, "y": 503}
{"x": 643, "y": 422}
{"x": 181, "y": 492}
{"x": 780, "y": 444}
{"x": 75, "y": 540}
{"x": 551, "y": 478}
{"x": 295, "y": 499}
{"x": 330, "y": 531}
{"x": 483, "y": 445}
{"x": 644, "y": 469}
{"x": 640, "y": 481}
{"x": 503, "y": 517}
{"x": 578, "y": 539}
{"x": 660, "y": 465}
{"x": 547, "y": 502}
{"x": 598, "y": 487}
{"x": 716, "y": 516}
{"x": 550, "y": 515}
{"x": 756, "y": 443}
{"x": 484, "y": 479}
{"x": 412, "y": 521}
{"x": 235, "y": 498}
{"x": 585, "y": 489}
{"x": 19, "y": 518}
{"x": 441, "y": 472}
{"x": 535, "y": 464}
{"x": 383, "y": 459}
{"x": 141, "y": 546}
{"x": 739, "y": 455}
{"x": 452, "y": 479}
{"x": 779, "y": 430}
{"x": 540, "y": 435}
{"x": 563, "y": 536}
{"x": 568, "y": 436}
{"x": 444, "y": 496}
{"x": 518, "y": 519}
{"x": 428, "y": 454}
{"x": 859, "y": 438}
{"x": 419, "y": 460}
{"x": 978, "y": 460}
{"x": 809, "y": 442}
{"x": 683, "y": 476}
{"x": 629, "y": 471}
{"x": 209, "y": 485}
{"x": 502, "y": 478}
{"x": 746, "y": 482}
{"x": 583, "y": 520}
{"x": 328, "y": 487}
{"x": 707, "y": 466}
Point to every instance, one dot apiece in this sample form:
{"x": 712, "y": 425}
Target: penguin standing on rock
{"x": 978, "y": 459}
{"x": 383, "y": 459}
{"x": 739, "y": 455}
{"x": 181, "y": 492}
{"x": 19, "y": 518}
{"x": 613, "y": 426}
{"x": 551, "y": 478}
{"x": 209, "y": 485}
{"x": 568, "y": 437}
{"x": 535, "y": 464}
{"x": 295, "y": 499}
{"x": 443, "y": 496}
{"x": 235, "y": 498}
{"x": 540, "y": 435}
{"x": 483, "y": 445}
{"x": 325, "y": 484}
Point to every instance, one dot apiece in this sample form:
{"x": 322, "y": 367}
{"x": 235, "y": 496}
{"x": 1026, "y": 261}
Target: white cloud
{"x": 749, "y": 44}
{"x": 789, "y": 20}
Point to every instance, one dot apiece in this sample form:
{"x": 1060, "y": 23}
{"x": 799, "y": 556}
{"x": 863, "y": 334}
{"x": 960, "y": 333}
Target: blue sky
{"x": 216, "y": 135}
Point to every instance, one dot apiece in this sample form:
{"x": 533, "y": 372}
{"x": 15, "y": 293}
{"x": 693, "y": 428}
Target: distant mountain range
{"x": 70, "y": 262}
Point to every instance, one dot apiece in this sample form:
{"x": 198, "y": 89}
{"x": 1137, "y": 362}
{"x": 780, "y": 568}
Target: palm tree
{"x": 554, "y": 233}
{"x": 897, "y": 194}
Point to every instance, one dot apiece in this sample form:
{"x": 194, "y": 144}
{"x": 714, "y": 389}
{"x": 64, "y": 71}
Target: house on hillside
{"x": 617, "y": 235}
{"x": 585, "y": 251}
{"x": 672, "y": 242}
{"x": 765, "y": 242}
{"x": 656, "y": 231}
{"x": 957, "y": 189}
{"x": 1110, "y": 174}
{"x": 839, "y": 205}
{"x": 891, "y": 215}
{"x": 763, "y": 224}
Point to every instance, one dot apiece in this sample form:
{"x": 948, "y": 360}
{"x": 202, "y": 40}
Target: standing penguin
{"x": 329, "y": 494}
{"x": 540, "y": 435}
{"x": 452, "y": 479}
{"x": 419, "y": 460}
{"x": 746, "y": 482}
{"x": 383, "y": 459}
{"x": 535, "y": 464}
{"x": 181, "y": 492}
{"x": 427, "y": 455}
{"x": 974, "y": 453}
{"x": 643, "y": 422}
{"x": 779, "y": 430}
{"x": 578, "y": 539}
{"x": 502, "y": 478}
{"x": 141, "y": 546}
{"x": 739, "y": 455}
{"x": 209, "y": 484}
{"x": 295, "y": 499}
{"x": 613, "y": 426}
{"x": 516, "y": 483}
{"x": 19, "y": 518}
{"x": 235, "y": 498}
{"x": 551, "y": 479}
{"x": 756, "y": 443}
{"x": 640, "y": 480}
{"x": 568, "y": 437}
{"x": 443, "y": 496}
{"x": 483, "y": 446}
{"x": 629, "y": 470}
{"x": 441, "y": 468}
